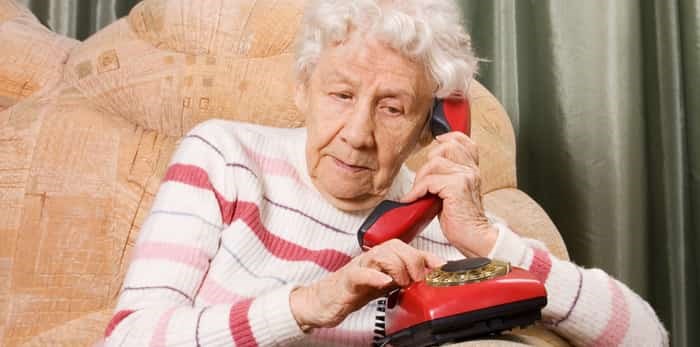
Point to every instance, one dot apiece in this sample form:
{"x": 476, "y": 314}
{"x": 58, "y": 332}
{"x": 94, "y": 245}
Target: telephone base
{"x": 470, "y": 325}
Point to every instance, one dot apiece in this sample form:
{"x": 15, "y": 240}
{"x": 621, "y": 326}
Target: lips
{"x": 350, "y": 167}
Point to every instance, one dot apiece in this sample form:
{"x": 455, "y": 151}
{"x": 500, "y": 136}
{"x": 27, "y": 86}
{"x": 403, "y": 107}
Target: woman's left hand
{"x": 452, "y": 173}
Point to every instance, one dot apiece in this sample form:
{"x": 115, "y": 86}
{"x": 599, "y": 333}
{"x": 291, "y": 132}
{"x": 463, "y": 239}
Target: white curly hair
{"x": 428, "y": 31}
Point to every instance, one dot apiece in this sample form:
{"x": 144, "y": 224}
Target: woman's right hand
{"x": 326, "y": 303}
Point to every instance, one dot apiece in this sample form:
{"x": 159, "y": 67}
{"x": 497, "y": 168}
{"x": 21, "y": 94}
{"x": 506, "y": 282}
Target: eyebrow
{"x": 338, "y": 76}
{"x": 389, "y": 92}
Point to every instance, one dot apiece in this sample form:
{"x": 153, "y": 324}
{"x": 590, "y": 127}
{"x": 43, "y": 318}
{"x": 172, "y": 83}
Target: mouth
{"x": 349, "y": 167}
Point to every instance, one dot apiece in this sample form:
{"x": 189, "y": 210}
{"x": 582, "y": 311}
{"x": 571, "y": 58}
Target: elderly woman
{"x": 251, "y": 240}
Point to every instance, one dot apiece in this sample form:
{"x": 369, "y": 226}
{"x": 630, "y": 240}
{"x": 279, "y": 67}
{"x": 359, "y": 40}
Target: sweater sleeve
{"x": 586, "y": 306}
{"x": 195, "y": 202}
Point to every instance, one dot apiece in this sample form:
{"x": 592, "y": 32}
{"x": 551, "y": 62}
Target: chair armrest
{"x": 526, "y": 218}
{"x": 76, "y": 332}
{"x": 532, "y": 336}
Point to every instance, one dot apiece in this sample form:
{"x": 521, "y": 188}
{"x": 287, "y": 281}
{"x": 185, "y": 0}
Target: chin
{"x": 352, "y": 205}
{"x": 349, "y": 200}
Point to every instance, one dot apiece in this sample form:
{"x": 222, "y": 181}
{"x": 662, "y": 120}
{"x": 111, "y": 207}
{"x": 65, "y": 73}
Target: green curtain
{"x": 78, "y": 18}
{"x": 604, "y": 96}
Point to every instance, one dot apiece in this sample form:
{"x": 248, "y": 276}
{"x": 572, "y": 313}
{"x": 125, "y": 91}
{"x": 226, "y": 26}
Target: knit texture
{"x": 237, "y": 224}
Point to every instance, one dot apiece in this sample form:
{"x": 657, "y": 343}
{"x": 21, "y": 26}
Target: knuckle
{"x": 395, "y": 244}
{"x": 417, "y": 263}
{"x": 471, "y": 172}
{"x": 466, "y": 139}
{"x": 371, "y": 257}
{"x": 425, "y": 169}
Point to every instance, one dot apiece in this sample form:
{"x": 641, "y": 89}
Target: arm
{"x": 171, "y": 258}
{"x": 586, "y": 306}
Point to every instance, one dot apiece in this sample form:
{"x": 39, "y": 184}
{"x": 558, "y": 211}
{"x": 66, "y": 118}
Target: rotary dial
{"x": 465, "y": 271}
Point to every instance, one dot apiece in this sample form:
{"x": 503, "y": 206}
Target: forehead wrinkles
{"x": 371, "y": 54}
{"x": 368, "y": 61}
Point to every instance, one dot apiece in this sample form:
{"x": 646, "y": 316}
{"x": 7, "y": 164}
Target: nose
{"x": 358, "y": 131}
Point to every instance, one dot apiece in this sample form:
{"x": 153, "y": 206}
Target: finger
{"x": 432, "y": 183}
{"x": 418, "y": 263}
{"x": 420, "y": 189}
{"x": 383, "y": 258}
{"x": 413, "y": 259}
{"x": 433, "y": 261}
{"x": 469, "y": 146}
{"x": 437, "y": 165}
{"x": 416, "y": 192}
{"x": 451, "y": 151}
{"x": 456, "y": 136}
{"x": 367, "y": 277}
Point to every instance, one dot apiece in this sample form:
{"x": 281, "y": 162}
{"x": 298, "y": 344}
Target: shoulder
{"x": 232, "y": 138}
{"x": 221, "y": 129}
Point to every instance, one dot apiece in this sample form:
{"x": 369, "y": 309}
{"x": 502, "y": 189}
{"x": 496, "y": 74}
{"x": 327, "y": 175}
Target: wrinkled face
{"x": 366, "y": 106}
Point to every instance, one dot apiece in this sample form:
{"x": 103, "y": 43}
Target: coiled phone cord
{"x": 380, "y": 339}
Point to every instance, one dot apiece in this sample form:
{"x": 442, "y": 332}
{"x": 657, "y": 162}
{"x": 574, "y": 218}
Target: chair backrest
{"x": 31, "y": 57}
{"x": 172, "y": 64}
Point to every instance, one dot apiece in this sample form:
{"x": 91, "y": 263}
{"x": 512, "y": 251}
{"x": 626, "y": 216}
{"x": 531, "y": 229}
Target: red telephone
{"x": 463, "y": 299}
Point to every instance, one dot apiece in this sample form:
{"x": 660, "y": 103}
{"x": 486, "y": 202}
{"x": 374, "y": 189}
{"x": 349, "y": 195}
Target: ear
{"x": 424, "y": 140}
{"x": 426, "y": 135}
{"x": 301, "y": 94}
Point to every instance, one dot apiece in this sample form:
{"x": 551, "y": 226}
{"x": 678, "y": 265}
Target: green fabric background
{"x": 604, "y": 96}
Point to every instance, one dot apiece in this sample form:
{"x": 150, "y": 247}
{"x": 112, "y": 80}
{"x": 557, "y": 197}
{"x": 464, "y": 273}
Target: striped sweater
{"x": 237, "y": 224}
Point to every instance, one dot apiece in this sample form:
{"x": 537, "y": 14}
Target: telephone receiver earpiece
{"x": 404, "y": 221}
{"x": 450, "y": 115}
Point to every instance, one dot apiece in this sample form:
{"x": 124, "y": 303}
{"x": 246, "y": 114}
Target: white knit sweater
{"x": 236, "y": 224}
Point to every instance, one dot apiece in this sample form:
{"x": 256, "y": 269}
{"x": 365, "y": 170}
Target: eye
{"x": 342, "y": 96}
{"x": 392, "y": 110}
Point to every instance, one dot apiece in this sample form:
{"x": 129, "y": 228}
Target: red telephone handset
{"x": 395, "y": 220}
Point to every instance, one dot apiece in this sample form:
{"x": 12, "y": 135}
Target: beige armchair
{"x": 87, "y": 129}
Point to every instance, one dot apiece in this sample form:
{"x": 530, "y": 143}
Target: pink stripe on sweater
{"x": 541, "y": 264}
{"x": 197, "y": 177}
{"x": 116, "y": 319}
{"x": 274, "y": 166}
{"x": 161, "y": 330}
{"x": 215, "y": 293}
{"x": 191, "y": 256}
{"x": 619, "y": 322}
{"x": 188, "y": 174}
{"x": 240, "y": 325}
{"x": 329, "y": 259}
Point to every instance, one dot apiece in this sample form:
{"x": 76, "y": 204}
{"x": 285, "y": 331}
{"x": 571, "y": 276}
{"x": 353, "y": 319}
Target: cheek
{"x": 394, "y": 146}
{"x": 322, "y": 126}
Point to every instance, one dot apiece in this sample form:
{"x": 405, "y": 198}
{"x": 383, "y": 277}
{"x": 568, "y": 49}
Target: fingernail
{"x": 387, "y": 279}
